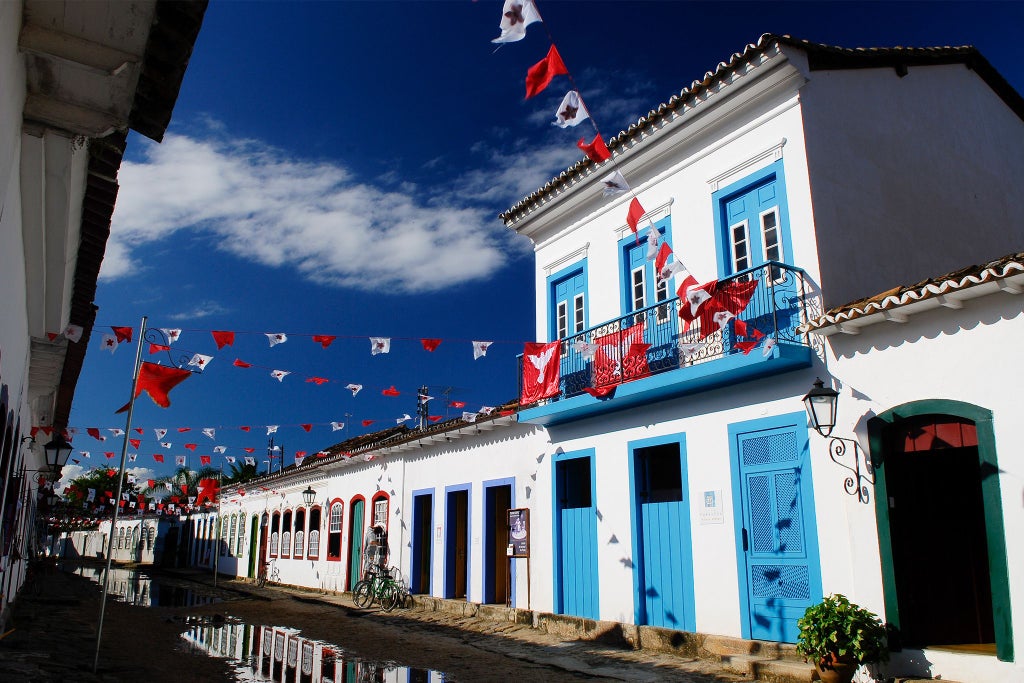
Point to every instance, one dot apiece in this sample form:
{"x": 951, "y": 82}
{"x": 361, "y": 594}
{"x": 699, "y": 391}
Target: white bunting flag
{"x": 210, "y": 432}
{"x": 125, "y": 496}
{"x": 152, "y": 506}
{"x": 652, "y": 244}
{"x": 179, "y": 460}
{"x": 769, "y": 344}
{"x": 516, "y": 15}
{"x": 73, "y": 332}
{"x": 354, "y": 388}
{"x": 689, "y": 350}
{"x": 249, "y": 460}
{"x": 336, "y": 426}
{"x": 192, "y": 500}
{"x": 92, "y": 495}
{"x": 614, "y": 184}
{"x": 132, "y": 456}
{"x": 486, "y": 410}
{"x": 219, "y": 449}
{"x": 271, "y": 429}
{"x": 109, "y": 343}
{"x": 468, "y": 417}
{"x": 571, "y": 111}
{"x": 276, "y": 338}
{"x": 168, "y": 485}
{"x": 722, "y": 318}
{"x": 160, "y": 433}
{"x": 200, "y": 361}
{"x": 116, "y": 431}
{"x": 405, "y": 418}
{"x": 379, "y": 345}
{"x": 165, "y": 444}
{"x": 279, "y": 375}
{"x": 130, "y": 478}
{"x": 585, "y": 349}
{"x": 85, "y": 454}
{"x": 131, "y": 504}
{"x": 480, "y": 348}
{"x": 172, "y": 334}
{"x": 671, "y": 269}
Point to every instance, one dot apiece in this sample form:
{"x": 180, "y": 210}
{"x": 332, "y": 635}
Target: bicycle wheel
{"x": 362, "y": 594}
{"x": 389, "y": 595}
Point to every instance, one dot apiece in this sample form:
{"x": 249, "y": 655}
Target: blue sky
{"x": 338, "y": 167}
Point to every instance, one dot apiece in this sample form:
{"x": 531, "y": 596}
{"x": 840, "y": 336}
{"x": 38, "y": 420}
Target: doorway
{"x": 575, "y": 506}
{"x": 456, "y": 544}
{"x": 355, "y": 541}
{"x": 422, "y": 525}
{"x": 497, "y": 502}
{"x": 255, "y": 547}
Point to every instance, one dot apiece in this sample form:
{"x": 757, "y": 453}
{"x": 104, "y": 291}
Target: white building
{"x": 693, "y": 495}
{"x": 76, "y": 76}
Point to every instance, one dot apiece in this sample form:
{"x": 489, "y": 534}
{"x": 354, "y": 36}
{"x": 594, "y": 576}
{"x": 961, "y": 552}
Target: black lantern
{"x": 821, "y": 407}
{"x": 57, "y": 453}
{"x": 309, "y": 495}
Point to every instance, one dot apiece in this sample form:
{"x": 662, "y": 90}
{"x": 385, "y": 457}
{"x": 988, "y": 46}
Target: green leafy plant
{"x": 838, "y": 630}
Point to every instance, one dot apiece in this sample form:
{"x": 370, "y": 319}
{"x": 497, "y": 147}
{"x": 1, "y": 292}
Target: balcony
{"x": 652, "y": 354}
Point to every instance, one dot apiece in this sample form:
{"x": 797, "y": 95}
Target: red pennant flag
{"x": 746, "y": 346}
{"x": 739, "y": 327}
{"x": 208, "y": 489}
{"x": 597, "y": 151}
{"x": 430, "y": 344}
{"x": 662, "y": 259}
{"x": 318, "y": 380}
{"x": 109, "y": 454}
{"x": 540, "y": 371}
{"x": 182, "y": 430}
{"x": 52, "y": 336}
{"x": 367, "y": 423}
{"x": 150, "y": 483}
{"x": 34, "y": 431}
{"x": 223, "y": 338}
{"x": 249, "y": 450}
{"x": 324, "y": 340}
{"x": 241, "y": 364}
{"x": 458, "y": 404}
{"x": 506, "y": 413}
{"x": 122, "y": 334}
{"x": 636, "y": 212}
{"x": 94, "y": 433}
{"x": 245, "y": 429}
{"x": 757, "y": 334}
{"x": 140, "y": 430}
{"x": 602, "y": 392}
{"x": 157, "y": 381}
{"x": 300, "y": 454}
{"x": 135, "y": 442}
{"x": 391, "y": 391}
{"x": 541, "y": 73}
{"x": 434, "y": 418}
{"x": 157, "y": 348}
{"x": 204, "y": 460}
{"x": 109, "y": 494}
{"x": 621, "y": 356}
{"x": 158, "y": 457}
{"x": 307, "y": 427}
{"x": 184, "y": 489}
{"x": 191, "y": 446}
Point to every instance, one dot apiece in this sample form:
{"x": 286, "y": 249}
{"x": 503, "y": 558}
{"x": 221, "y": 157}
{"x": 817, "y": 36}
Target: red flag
{"x": 367, "y": 423}
{"x": 249, "y": 450}
{"x": 540, "y": 371}
{"x": 662, "y": 258}
{"x": 182, "y": 430}
{"x": 458, "y": 404}
{"x": 157, "y": 348}
{"x": 204, "y": 460}
{"x": 506, "y": 413}
{"x": 52, "y": 336}
{"x": 184, "y": 489}
{"x": 391, "y": 391}
{"x": 318, "y": 380}
{"x": 207, "y": 491}
{"x": 621, "y": 356}
{"x": 191, "y": 447}
{"x": 434, "y": 418}
{"x": 739, "y": 327}
{"x": 140, "y": 430}
{"x": 135, "y": 442}
{"x": 241, "y": 363}
{"x": 430, "y": 344}
{"x": 151, "y": 484}
{"x": 157, "y": 381}
{"x": 158, "y": 457}
{"x": 541, "y": 73}
{"x": 223, "y": 338}
{"x": 109, "y": 454}
{"x": 596, "y": 150}
{"x": 245, "y": 429}
{"x": 94, "y": 433}
{"x": 636, "y": 212}
{"x": 122, "y": 334}
{"x": 745, "y": 346}
{"x": 602, "y": 392}
{"x": 307, "y": 427}
{"x": 324, "y": 340}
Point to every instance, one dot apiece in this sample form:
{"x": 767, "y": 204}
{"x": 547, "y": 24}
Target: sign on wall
{"x": 519, "y": 532}
{"x": 711, "y": 512}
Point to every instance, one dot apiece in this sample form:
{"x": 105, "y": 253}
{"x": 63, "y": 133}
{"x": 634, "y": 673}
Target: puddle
{"x": 135, "y": 587}
{"x": 279, "y": 653}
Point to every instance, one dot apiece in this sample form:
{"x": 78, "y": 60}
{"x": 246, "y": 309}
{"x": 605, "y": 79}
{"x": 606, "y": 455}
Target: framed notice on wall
{"x": 519, "y": 532}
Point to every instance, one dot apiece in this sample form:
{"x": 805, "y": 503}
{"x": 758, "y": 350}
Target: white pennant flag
{"x": 671, "y": 269}
{"x": 279, "y": 375}
{"x": 219, "y": 449}
{"x": 92, "y": 495}
{"x": 614, "y": 184}
{"x": 380, "y": 345}
{"x": 276, "y": 338}
{"x": 335, "y": 426}
{"x": 230, "y": 459}
{"x": 200, "y": 361}
{"x": 689, "y": 350}
{"x": 249, "y": 460}
{"x": 271, "y": 429}
{"x": 116, "y": 431}
{"x": 468, "y": 417}
{"x": 73, "y": 332}
{"x": 722, "y": 318}
{"x": 131, "y": 504}
{"x": 168, "y": 485}
{"x": 160, "y": 433}
{"x": 132, "y": 456}
{"x": 769, "y": 344}
{"x": 172, "y": 334}
{"x": 652, "y": 244}
{"x": 124, "y": 497}
{"x": 85, "y": 454}
{"x": 354, "y": 388}
{"x": 210, "y": 432}
{"x": 516, "y": 15}
{"x": 109, "y": 343}
{"x": 152, "y": 506}
{"x": 179, "y": 460}
{"x": 405, "y": 418}
{"x": 165, "y": 444}
{"x": 571, "y": 112}
{"x": 130, "y": 478}
{"x": 192, "y": 500}
{"x": 486, "y": 410}
{"x": 480, "y": 348}
{"x": 585, "y": 349}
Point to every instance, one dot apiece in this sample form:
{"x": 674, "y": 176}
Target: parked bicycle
{"x": 268, "y": 572}
{"x": 378, "y": 586}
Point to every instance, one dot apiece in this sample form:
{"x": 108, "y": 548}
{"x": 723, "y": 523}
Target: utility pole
{"x": 423, "y": 406}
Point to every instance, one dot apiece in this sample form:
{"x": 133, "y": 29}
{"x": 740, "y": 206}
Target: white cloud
{"x": 201, "y": 310}
{"x": 316, "y": 219}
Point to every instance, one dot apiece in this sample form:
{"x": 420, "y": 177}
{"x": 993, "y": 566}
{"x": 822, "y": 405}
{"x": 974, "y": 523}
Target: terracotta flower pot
{"x": 833, "y": 670}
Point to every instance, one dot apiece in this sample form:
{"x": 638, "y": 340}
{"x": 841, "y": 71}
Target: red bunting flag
{"x": 458, "y": 404}
{"x": 430, "y": 344}
{"x": 109, "y": 454}
{"x": 245, "y": 429}
{"x": 636, "y": 212}
{"x": 540, "y": 371}
{"x": 95, "y": 433}
{"x": 249, "y": 450}
{"x": 239, "y": 363}
{"x": 223, "y": 338}
{"x": 135, "y": 442}
{"x": 140, "y": 430}
{"x": 158, "y": 457}
{"x": 434, "y": 418}
{"x": 191, "y": 446}
{"x": 318, "y": 380}
{"x": 541, "y": 73}
{"x": 150, "y": 483}
{"x": 182, "y": 430}
{"x": 596, "y": 150}
{"x": 122, "y": 334}
{"x": 208, "y": 489}
{"x": 662, "y": 259}
{"x": 204, "y": 460}
{"x": 307, "y": 427}
{"x": 367, "y": 423}
{"x": 391, "y": 391}
{"x": 157, "y": 381}
{"x": 324, "y": 340}
{"x": 157, "y": 348}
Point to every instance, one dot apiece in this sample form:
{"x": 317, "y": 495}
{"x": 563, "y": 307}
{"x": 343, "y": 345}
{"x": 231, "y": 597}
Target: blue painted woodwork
{"x": 454, "y": 545}
{"x": 420, "y": 573}
{"x": 355, "y": 542}
{"x": 776, "y": 528}
{"x": 575, "y": 534}
{"x": 563, "y": 286}
{"x": 633, "y": 255}
{"x": 662, "y": 545}
{"x": 496, "y": 539}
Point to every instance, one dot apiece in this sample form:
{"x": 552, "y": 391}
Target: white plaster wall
{"x": 912, "y": 176}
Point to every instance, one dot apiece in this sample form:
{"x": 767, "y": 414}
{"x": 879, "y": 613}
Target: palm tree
{"x": 240, "y": 474}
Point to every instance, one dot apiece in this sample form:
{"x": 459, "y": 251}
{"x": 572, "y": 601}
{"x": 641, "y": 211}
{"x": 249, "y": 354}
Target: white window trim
{"x": 732, "y": 244}
{"x": 579, "y": 303}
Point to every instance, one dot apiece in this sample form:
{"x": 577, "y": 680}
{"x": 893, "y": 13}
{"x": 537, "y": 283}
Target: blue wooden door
{"x": 355, "y": 542}
{"x": 664, "y": 567}
{"x": 576, "y": 519}
{"x": 778, "y": 538}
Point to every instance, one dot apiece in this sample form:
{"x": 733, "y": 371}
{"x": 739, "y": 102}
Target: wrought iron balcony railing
{"x": 656, "y": 339}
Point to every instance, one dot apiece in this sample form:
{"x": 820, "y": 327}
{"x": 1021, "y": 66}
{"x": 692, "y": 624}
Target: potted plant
{"x": 838, "y": 636}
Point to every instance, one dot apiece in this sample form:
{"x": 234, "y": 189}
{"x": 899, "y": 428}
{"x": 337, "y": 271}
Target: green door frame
{"x": 993, "y": 502}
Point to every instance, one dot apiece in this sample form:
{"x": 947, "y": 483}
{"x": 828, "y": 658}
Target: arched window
{"x": 241, "y": 534}
{"x": 135, "y": 538}
{"x": 222, "y": 536}
{"x": 380, "y": 510}
{"x": 273, "y": 543}
{"x": 151, "y": 538}
{"x": 120, "y": 538}
{"x": 231, "y": 534}
{"x": 286, "y": 534}
{"x": 275, "y": 526}
{"x": 313, "y": 552}
{"x": 334, "y": 532}
{"x": 300, "y": 535}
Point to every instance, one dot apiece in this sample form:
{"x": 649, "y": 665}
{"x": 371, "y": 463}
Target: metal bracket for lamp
{"x": 157, "y": 337}
{"x": 855, "y": 485}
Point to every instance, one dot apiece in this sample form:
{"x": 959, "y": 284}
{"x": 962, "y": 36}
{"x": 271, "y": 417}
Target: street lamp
{"x": 57, "y": 453}
{"x": 309, "y": 495}
{"x": 821, "y": 407}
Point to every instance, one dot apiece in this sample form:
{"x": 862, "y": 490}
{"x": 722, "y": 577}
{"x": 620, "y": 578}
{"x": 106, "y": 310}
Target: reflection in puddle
{"x": 278, "y": 653}
{"x": 134, "y": 587}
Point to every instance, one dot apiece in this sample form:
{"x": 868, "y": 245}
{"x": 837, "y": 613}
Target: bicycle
{"x": 379, "y": 586}
{"x": 268, "y": 572}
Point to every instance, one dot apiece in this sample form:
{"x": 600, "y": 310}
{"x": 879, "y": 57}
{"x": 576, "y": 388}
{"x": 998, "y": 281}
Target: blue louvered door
{"x": 576, "y": 517}
{"x": 778, "y": 543}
